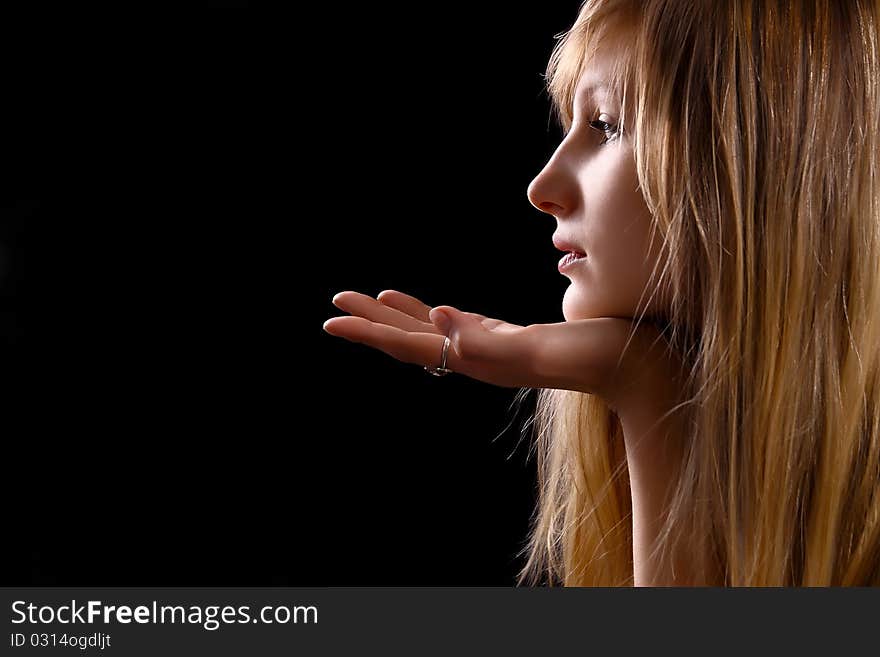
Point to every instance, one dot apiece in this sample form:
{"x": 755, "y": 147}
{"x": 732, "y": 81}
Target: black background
{"x": 183, "y": 197}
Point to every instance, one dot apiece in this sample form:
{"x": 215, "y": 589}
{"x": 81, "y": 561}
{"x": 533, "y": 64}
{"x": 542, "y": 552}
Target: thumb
{"x": 441, "y": 319}
{"x": 464, "y": 331}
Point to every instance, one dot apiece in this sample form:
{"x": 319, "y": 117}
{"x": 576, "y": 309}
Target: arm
{"x": 631, "y": 369}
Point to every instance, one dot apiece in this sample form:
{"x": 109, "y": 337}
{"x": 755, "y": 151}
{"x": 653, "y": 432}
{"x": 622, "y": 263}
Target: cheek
{"x": 619, "y": 233}
{"x": 624, "y": 259}
{"x": 624, "y": 266}
{"x": 606, "y": 286}
{"x": 617, "y": 237}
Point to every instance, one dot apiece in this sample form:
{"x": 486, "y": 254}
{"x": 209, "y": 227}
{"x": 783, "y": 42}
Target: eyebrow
{"x": 587, "y": 92}
{"x": 591, "y": 90}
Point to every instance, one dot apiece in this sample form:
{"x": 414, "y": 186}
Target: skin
{"x": 592, "y": 191}
{"x": 590, "y": 186}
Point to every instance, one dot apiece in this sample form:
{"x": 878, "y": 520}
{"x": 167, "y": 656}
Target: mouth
{"x": 570, "y": 259}
{"x": 573, "y": 252}
{"x": 565, "y": 245}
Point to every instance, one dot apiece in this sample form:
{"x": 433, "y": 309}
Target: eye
{"x": 608, "y": 129}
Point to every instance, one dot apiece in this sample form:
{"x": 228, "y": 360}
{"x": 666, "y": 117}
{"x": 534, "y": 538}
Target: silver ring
{"x": 440, "y": 371}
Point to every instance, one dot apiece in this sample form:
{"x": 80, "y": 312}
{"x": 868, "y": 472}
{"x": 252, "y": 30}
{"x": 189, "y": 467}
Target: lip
{"x": 565, "y": 245}
{"x": 573, "y": 253}
{"x": 570, "y": 260}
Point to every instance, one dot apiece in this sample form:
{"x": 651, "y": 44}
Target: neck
{"x": 654, "y": 454}
{"x": 650, "y": 410}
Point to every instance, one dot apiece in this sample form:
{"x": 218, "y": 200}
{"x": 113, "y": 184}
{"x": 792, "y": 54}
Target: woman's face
{"x": 592, "y": 190}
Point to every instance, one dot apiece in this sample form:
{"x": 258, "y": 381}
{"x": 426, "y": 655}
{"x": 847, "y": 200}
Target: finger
{"x": 491, "y": 324}
{"x": 479, "y": 338}
{"x": 371, "y": 309}
{"x": 423, "y": 349}
{"x": 405, "y": 304}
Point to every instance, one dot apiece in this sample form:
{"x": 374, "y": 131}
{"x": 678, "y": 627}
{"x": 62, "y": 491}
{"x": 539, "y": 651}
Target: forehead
{"x": 596, "y": 71}
{"x": 593, "y": 77}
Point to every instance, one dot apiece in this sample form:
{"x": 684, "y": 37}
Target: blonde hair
{"x": 754, "y": 126}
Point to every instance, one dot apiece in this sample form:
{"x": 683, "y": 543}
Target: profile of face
{"x": 590, "y": 185}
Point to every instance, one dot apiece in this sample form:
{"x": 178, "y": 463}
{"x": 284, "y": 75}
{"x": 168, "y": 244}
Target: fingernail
{"x": 440, "y": 319}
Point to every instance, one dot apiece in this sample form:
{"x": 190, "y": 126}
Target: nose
{"x": 536, "y": 198}
{"x": 550, "y": 191}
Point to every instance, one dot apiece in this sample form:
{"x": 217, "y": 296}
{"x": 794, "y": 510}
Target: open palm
{"x": 585, "y": 355}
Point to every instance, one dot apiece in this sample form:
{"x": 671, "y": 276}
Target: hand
{"x": 604, "y": 355}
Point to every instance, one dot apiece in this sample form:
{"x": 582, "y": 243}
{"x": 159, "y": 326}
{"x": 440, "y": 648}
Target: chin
{"x": 575, "y": 306}
{"x": 578, "y": 305}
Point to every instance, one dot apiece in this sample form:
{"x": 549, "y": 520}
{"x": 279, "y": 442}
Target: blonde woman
{"x": 709, "y": 412}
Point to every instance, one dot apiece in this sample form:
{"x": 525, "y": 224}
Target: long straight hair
{"x": 754, "y": 125}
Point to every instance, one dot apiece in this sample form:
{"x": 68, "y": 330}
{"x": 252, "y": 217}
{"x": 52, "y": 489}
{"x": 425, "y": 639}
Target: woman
{"x": 709, "y": 412}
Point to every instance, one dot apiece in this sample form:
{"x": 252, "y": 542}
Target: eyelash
{"x": 610, "y": 128}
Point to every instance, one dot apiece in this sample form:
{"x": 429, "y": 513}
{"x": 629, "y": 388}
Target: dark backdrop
{"x": 184, "y": 197}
